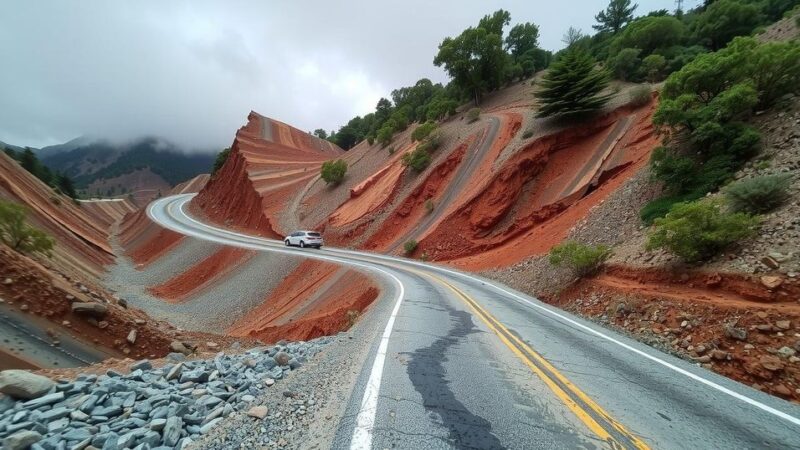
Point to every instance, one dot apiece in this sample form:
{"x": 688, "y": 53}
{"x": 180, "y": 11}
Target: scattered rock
{"x": 781, "y": 389}
{"x": 179, "y": 347}
{"x": 786, "y": 352}
{"x": 740, "y": 334}
{"x": 282, "y": 358}
{"x": 259, "y": 412}
{"x": 90, "y": 309}
{"x": 770, "y": 262}
{"x": 132, "y": 336}
{"x": 783, "y": 324}
{"x": 212, "y": 345}
{"x": 8, "y": 281}
{"x": 771, "y": 363}
{"x": 21, "y": 440}
{"x": 23, "y": 384}
{"x": 771, "y": 282}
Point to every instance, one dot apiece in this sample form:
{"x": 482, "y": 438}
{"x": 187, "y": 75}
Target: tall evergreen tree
{"x": 572, "y": 86}
{"x": 615, "y": 16}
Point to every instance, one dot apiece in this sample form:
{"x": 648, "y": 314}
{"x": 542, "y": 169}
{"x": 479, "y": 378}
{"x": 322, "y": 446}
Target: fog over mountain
{"x": 191, "y": 71}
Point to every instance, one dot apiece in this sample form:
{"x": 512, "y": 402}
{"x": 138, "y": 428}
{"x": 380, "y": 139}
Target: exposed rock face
{"x": 23, "y": 384}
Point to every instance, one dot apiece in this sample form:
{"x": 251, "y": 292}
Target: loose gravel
{"x": 167, "y": 407}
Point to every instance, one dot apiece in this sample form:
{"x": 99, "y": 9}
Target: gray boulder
{"x": 90, "y": 309}
{"x": 23, "y": 384}
{"x": 21, "y": 440}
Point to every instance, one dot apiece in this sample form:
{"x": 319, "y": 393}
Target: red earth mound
{"x": 201, "y": 275}
{"x": 107, "y": 212}
{"x": 268, "y": 161}
{"x": 730, "y": 323}
{"x": 316, "y": 299}
{"x": 540, "y": 192}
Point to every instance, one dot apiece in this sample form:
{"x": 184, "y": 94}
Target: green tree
{"x": 522, "y": 38}
{"x": 654, "y": 68}
{"x": 572, "y": 36}
{"x": 725, "y": 19}
{"x": 572, "y": 86}
{"x": 422, "y": 131}
{"x": 220, "y": 160}
{"x": 333, "y": 172}
{"x": 320, "y": 133}
{"x": 650, "y": 33}
{"x": 20, "y": 236}
{"x": 65, "y": 185}
{"x": 475, "y": 59}
{"x": 615, "y": 16}
{"x": 625, "y": 64}
{"x": 418, "y": 159}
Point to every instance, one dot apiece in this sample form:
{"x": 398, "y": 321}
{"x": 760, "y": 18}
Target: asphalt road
{"x": 464, "y": 362}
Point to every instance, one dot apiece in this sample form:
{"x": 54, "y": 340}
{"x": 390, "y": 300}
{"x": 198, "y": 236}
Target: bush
{"x": 410, "y": 246}
{"x": 333, "y": 171}
{"x": 418, "y": 159}
{"x": 758, "y": 195}
{"x": 430, "y": 143}
{"x": 625, "y": 64}
{"x": 581, "y": 258}
{"x": 473, "y": 115}
{"x": 696, "y": 231}
{"x": 527, "y": 134}
{"x": 20, "y": 236}
{"x": 422, "y": 131}
{"x": 640, "y": 96}
{"x": 220, "y": 160}
{"x": 429, "y": 206}
{"x": 654, "y": 68}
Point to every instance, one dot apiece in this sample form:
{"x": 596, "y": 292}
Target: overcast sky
{"x": 190, "y": 71}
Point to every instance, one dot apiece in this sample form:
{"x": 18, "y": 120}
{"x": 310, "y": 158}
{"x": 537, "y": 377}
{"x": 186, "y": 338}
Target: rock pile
{"x": 165, "y": 407}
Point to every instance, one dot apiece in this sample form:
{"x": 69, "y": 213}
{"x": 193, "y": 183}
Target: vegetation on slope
{"x": 57, "y": 180}
{"x": 17, "y": 234}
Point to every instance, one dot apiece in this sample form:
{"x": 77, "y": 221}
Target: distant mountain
{"x": 145, "y": 167}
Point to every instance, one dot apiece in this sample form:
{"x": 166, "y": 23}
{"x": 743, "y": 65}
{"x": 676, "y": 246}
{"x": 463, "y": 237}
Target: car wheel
{"x": 287, "y": 242}
{"x": 302, "y": 244}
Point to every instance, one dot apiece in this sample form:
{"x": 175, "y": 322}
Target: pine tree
{"x": 615, "y": 16}
{"x": 572, "y": 86}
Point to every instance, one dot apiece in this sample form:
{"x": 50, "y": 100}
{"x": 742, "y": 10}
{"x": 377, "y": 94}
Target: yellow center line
{"x": 612, "y": 432}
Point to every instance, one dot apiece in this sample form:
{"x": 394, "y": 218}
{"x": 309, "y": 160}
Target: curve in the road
{"x": 635, "y": 384}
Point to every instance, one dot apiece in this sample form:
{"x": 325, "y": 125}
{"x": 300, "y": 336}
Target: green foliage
{"x": 31, "y": 163}
{"x": 410, "y": 246}
{"x": 429, "y": 206}
{"x": 527, "y": 134}
{"x": 775, "y": 9}
{"x": 65, "y": 185}
{"x": 475, "y": 59}
{"x": 625, "y": 64}
{"x": 385, "y": 134}
{"x": 572, "y": 86}
{"x": 580, "y": 258}
{"x": 422, "y": 131}
{"x": 654, "y": 68}
{"x": 431, "y": 142}
{"x": 522, "y": 38}
{"x": 418, "y": 159}
{"x": 320, "y": 133}
{"x": 220, "y": 160}
{"x": 651, "y": 33}
{"x": 333, "y": 171}
{"x": 698, "y": 230}
{"x": 615, "y": 16}
{"x": 640, "y": 96}
{"x": 725, "y": 19}
{"x": 758, "y": 195}
{"x": 473, "y": 115}
{"x": 20, "y": 236}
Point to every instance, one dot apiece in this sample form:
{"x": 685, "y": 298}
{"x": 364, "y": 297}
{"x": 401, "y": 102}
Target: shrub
{"x": 418, "y": 159}
{"x": 696, "y": 231}
{"x": 333, "y": 171}
{"x": 429, "y": 206}
{"x": 422, "y": 131}
{"x": 220, "y": 160}
{"x": 654, "y": 68}
{"x": 20, "y": 236}
{"x": 410, "y": 246}
{"x": 640, "y": 96}
{"x": 473, "y": 115}
{"x": 391, "y": 150}
{"x": 572, "y": 86}
{"x": 758, "y": 195}
{"x": 527, "y": 134}
{"x": 431, "y": 143}
{"x": 581, "y": 258}
{"x": 625, "y": 64}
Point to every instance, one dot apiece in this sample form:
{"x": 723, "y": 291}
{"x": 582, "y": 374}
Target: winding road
{"x": 464, "y": 362}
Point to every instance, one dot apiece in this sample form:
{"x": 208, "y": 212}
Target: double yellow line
{"x": 589, "y": 412}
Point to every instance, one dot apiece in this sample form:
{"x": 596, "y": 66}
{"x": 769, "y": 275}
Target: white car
{"x": 304, "y": 239}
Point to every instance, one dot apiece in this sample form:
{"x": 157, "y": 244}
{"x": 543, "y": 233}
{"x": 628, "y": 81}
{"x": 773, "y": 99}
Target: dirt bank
{"x": 202, "y": 275}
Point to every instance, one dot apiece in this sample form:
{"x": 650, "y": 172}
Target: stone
{"x": 771, "y": 282}
{"x": 102, "y": 324}
{"x": 259, "y": 412}
{"x": 139, "y": 321}
{"x": 22, "y": 384}
{"x": 8, "y": 281}
{"x": 247, "y": 398}
{"x": 77, "y": 434}
{"x": 90, "y": 309}
{"x": 269, "y": 382}
{"x": 781, "y": 389}
{"x": 770, "y": 262}
{"x": 740, "y": 334}
{"x": 172, "y": 431}
{"x": 703, "y": 359}
{"x": 282, "y": 358}
{"x": 144, "y": 364}
{"x": 212, "y": 345}
{"x": 179, "y": 347}
{"x": 132, "y": 336}
{"x": 719, "y": 355}
{"x": 771, "y": 363}
{"x": 174, "y": 372}
{"x": 176, "y": 357}
{"x": 44, "y": 400}
{"x": 157, "y": 424}
{"x": 783, "y": 324}
{"x": 207, "y": 427}
{"x": 786, "y": 352}
{"x": 21, "y": 440}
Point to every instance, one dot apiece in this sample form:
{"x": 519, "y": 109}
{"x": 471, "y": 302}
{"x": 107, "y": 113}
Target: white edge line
{"x": 709, "y": 383}
{"x": 365, "y": 421}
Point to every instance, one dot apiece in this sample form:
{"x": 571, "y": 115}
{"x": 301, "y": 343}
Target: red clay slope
{"x": 268, "y": 162}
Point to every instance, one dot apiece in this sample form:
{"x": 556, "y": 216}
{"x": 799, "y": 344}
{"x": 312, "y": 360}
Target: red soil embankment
{"x": 267, "y": 162}
{"x": 145, "y": 241}
{"x": 107, "y": 212}
{"x": 201, "y": 275}
{"x": 690, "y": 311}
{"x": 316, "y": 299}
{"x": 81, "y": 242}
{"x": 540, "y": 192}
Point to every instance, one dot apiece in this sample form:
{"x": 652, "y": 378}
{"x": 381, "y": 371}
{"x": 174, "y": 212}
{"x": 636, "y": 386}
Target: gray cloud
{"x": 190, "y": 71}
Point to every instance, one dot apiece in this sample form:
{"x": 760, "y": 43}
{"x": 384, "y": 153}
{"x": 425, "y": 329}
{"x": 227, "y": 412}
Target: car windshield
{"x": 312, "y": 234}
